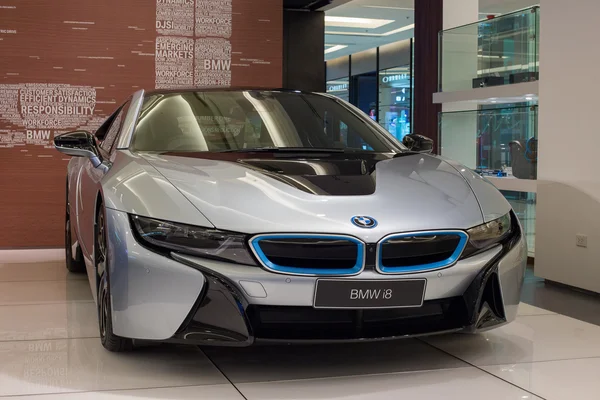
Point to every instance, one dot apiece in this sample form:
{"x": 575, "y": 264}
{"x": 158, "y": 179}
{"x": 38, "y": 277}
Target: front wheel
{"x": 110, "y": 341}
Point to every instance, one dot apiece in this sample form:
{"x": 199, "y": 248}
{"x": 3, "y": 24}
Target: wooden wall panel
{"x": 303, "y": 47}
{"x": 75, "y": 56}
{"x": 428, "y": 22}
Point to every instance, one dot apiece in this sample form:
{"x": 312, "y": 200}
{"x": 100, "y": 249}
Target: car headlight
{"x": 483, "y": 237}
{"x": 193, "y": 240}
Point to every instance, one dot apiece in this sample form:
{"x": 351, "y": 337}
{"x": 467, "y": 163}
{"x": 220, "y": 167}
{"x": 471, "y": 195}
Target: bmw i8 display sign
{"x": 230, "y": 217}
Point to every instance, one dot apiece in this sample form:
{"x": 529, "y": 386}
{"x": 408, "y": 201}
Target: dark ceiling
{"x": 305, "y": 5}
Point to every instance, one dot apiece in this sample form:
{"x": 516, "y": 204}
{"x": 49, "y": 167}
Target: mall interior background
{"x": 506, "y": 101}
{"x": 506, "y": 87}
{"x": 494, "y": 135}
{"x": 472, "y": 86}
{"x": 68, "y": 64}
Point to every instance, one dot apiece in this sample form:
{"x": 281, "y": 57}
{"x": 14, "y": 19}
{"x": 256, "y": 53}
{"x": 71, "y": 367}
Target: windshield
{"x": 246, "y": 120}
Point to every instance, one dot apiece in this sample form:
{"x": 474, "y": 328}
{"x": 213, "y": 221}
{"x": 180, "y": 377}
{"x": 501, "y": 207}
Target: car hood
{"x": 320, "y": 193}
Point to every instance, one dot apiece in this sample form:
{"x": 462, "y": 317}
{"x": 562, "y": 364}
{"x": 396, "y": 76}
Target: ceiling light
{"x": 528, "y": 98}
{"x": 489, "y": 56}
{"x": 404, "y": 28}
{"x": 335, "y": 48}
{"x": 348, "y": 22}
{"x": 337, "y": 82}
{"x": 391, "y": 8}
{"x": 352, "y": 33}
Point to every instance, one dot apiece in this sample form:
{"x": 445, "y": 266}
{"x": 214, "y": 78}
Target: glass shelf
{"x": 493, "y": 141}
{"x": 492, "y": 52}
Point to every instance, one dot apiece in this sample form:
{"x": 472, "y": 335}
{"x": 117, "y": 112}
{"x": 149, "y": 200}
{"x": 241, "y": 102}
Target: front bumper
{"x": 212, "y": 303}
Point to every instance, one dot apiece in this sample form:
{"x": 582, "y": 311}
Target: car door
{"x": 90, "y": 181}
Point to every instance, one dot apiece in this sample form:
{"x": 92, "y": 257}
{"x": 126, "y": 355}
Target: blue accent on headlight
{"x": 154, "y": 234}
{"x": 358, "y": 266}
{"x": 464, "y": 238}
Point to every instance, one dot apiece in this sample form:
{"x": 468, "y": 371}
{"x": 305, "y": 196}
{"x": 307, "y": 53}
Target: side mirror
{"x": 78, "y": 144}
{"x": 418, "y": 143}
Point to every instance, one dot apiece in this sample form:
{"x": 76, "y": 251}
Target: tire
{"x": 75, "y": 261}
{"x": 109, "y": 340}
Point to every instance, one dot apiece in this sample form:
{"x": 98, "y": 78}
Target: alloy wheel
{"x": 104, "y": 301}
{"x": 103, "y": 312}
{"x": 109, "y": 340}
{"x": 68, "y": 250}
{"x": 73, "y": 260}
{"x": 101, "y": 241}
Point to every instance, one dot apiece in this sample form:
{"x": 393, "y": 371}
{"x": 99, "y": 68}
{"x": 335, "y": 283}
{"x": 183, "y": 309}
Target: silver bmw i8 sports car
{"x": 228, "y": 217}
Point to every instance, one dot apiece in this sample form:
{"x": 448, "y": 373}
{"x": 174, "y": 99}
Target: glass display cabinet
{"x": 500, "y": 141}
{"x": 492, "y": 52}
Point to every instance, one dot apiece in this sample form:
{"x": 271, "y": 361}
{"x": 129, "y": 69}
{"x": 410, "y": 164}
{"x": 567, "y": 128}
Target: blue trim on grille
{"x": 360, "y": 256}
{"x": 423, "y": 267}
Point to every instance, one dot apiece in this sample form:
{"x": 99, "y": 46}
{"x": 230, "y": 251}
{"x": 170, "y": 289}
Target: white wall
{"x": 569, "y": 141}
{"x": 504, "y": 6}
{"x": 459, "y": 47}
{"x": 458, "y": 129}
{"x": 459, "y": 54}
{"x": 460, "y": 12}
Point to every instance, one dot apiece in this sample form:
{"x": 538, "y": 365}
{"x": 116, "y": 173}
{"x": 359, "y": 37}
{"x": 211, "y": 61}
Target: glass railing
{"x": 493, "y": 141}
{"x": 492, "y": 52}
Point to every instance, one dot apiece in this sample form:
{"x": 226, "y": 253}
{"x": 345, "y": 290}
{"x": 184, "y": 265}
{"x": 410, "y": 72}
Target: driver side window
{"x": 109, "y": 131}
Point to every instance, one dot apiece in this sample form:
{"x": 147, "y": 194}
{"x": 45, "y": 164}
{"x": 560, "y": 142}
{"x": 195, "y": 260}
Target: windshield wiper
{"x": 284, "y": 150}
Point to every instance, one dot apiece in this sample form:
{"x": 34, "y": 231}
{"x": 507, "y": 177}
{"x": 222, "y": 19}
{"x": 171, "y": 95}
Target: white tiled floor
{"x": 49, "y": 350}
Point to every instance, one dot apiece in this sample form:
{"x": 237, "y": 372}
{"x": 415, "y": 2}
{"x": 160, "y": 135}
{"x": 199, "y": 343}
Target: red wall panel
{"x": 67, "y": 64}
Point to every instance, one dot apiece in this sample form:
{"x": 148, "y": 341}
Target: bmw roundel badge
{"x": 362, "y": 221}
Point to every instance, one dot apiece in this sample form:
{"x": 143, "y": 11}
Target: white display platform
{"x": 514, "y": 184}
